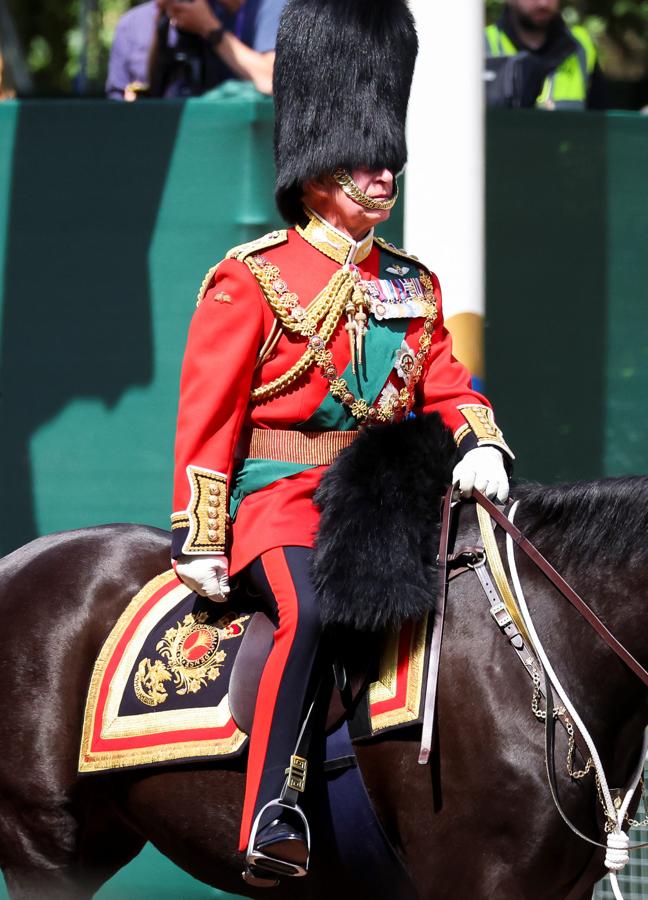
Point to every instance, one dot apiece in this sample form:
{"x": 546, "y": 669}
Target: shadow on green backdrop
{"x": 77, "y": 306}
{"x": 110, "y": 214}
{"x": 567, "y": 317}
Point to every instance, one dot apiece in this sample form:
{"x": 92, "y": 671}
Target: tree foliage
{"x": 619, "y": 28}
{"x": 67, "y": 43}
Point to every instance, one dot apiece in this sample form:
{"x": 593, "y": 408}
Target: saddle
{"x": 177, "y": 678}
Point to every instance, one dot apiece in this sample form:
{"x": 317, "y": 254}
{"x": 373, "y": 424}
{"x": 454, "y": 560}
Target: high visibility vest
{"x": 566, "y": 87}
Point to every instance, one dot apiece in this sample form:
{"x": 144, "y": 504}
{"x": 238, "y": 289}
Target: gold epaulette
{"x": 272, "y": 239}
{"x": 400, "y": 253}
{"x": 205, "y": 284}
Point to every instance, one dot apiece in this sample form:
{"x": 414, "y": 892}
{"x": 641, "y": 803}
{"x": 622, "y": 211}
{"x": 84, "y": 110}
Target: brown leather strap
{"x": 437, "y": 634}
{"x": 559, "y": 582}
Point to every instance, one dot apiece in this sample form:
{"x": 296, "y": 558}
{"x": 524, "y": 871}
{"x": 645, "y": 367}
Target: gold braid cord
{"x": 351, "y": 189}
{"x": 329, "y": 305}
{"x": 343, "y": 293}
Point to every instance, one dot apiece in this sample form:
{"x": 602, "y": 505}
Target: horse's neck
{"x": 610, "y": 699}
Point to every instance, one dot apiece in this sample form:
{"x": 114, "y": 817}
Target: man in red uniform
{"x": 299, "y": 339}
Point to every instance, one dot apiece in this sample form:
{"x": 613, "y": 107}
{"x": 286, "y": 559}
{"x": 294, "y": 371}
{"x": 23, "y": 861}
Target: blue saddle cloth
{"x": 372, "y": 866}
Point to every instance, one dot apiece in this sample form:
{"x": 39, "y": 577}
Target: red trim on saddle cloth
{"x": 114, "y": 739}
{"x": 396, "y": 697}
{"x": 111, "y": 740}
{"x": 278, "y": 574}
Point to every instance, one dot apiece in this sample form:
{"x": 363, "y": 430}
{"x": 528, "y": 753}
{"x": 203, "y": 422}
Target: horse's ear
{"x": 375, "y": 556}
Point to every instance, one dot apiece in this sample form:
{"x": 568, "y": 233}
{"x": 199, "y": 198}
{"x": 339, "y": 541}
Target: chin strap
{"x": 351, "y": 189}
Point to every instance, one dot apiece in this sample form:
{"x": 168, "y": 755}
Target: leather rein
{"x": 559, "y": 582}
{"x": 444, "y": 558}
{"x": 508, "y": 620}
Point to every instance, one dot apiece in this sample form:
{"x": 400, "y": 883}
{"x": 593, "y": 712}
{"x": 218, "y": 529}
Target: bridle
{"x": 559, "y": 582}
{"x": 617, "y": 845}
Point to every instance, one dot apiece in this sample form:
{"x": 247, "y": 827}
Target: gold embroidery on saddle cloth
{"x": 387, "y": 687}
{"x": 104, "y": 729}
{"x": 192, "y": 657}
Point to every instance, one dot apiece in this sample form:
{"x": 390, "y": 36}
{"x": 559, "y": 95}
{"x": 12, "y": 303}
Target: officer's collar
{"x": 333, "y": 243}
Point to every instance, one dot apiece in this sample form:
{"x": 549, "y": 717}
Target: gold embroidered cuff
{"x": 207, "y": 512}
{"x": 179, "y": 520}
{"x": 481, "y": 423}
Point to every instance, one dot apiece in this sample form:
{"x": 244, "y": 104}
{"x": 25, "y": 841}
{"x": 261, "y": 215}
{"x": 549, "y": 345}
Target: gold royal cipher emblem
{"x": 192, "y": 657}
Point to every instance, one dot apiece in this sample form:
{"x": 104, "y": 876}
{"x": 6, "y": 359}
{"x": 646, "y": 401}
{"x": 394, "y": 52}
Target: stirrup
{"x": 258, "y": 878}
{"x": 261, "y": 863}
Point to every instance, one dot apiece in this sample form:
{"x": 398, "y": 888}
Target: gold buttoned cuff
{"x": 207, "y": 512}
{"x": 480, "y": 423}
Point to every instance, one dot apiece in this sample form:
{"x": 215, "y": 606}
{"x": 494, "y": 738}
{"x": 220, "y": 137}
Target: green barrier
{"x": 110, "y": 214}
{"x": 567, "y": 319}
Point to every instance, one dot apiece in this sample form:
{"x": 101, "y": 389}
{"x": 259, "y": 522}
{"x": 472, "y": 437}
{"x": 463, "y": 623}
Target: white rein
{"x": 617, "y": 855}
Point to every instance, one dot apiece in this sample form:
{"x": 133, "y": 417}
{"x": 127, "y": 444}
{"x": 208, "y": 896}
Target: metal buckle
{"x": 500, "y": 613}
{"x": 478, "y": 559}
{"x": 296, "y": 773}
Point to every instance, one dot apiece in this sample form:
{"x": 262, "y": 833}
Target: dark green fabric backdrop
{"x": 110, "y": 214}
{"x": 567, "y": 311}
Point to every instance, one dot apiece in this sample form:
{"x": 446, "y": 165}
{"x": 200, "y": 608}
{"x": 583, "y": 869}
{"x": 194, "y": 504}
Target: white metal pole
{"x": 444, "y": 187}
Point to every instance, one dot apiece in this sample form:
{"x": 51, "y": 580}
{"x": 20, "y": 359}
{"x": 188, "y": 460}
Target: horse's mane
{"x": 575, "y": 523}
{"x": 375, "y": 560}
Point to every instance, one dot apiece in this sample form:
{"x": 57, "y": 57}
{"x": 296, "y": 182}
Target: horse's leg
{"x": 192, "y": 816}
{"x": 24, "y": 883}
{"x": 50, "y": 852}
{"x": 60, "y": 835}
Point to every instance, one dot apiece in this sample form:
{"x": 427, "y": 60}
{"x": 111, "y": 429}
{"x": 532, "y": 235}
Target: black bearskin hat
{"x": 342, "y": 79}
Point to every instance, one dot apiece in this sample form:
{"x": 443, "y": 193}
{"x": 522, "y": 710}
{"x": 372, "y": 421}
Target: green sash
{"x": 381, "y": 343}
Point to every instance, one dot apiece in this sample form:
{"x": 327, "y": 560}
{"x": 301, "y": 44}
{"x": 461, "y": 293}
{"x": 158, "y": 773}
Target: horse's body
{"x": 478, "y": 822}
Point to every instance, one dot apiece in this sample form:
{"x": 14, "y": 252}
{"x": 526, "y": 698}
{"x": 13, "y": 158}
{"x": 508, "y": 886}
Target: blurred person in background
{"x": 7, "y": 91}
{"x": 534, "y": 59}
{"x": 169, "y": 48}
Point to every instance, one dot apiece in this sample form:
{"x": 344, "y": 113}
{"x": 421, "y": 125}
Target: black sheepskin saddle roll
{"x": 375, "y": 558}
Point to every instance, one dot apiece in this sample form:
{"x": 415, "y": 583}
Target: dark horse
{"x": 478, "y": 822}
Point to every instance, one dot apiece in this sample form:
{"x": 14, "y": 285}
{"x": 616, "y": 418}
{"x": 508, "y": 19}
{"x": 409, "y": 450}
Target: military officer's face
{"x": 328, "y": 199}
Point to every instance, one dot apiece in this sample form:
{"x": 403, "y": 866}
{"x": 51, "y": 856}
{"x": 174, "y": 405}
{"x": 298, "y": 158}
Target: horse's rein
{"x": 559, "y": 582}
{"x": 617, "y": 844}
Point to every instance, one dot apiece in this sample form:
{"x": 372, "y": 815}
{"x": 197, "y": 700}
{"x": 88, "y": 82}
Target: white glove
{"x": 206, "y": 575}
{"x": 482, "y": 469}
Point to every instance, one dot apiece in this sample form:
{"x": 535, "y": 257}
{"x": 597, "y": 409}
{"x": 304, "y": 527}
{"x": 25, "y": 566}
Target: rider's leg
{"x": 282, "y": 576}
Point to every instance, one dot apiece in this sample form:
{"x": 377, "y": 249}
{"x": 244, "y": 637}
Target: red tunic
{"x": 228, "y": 330}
